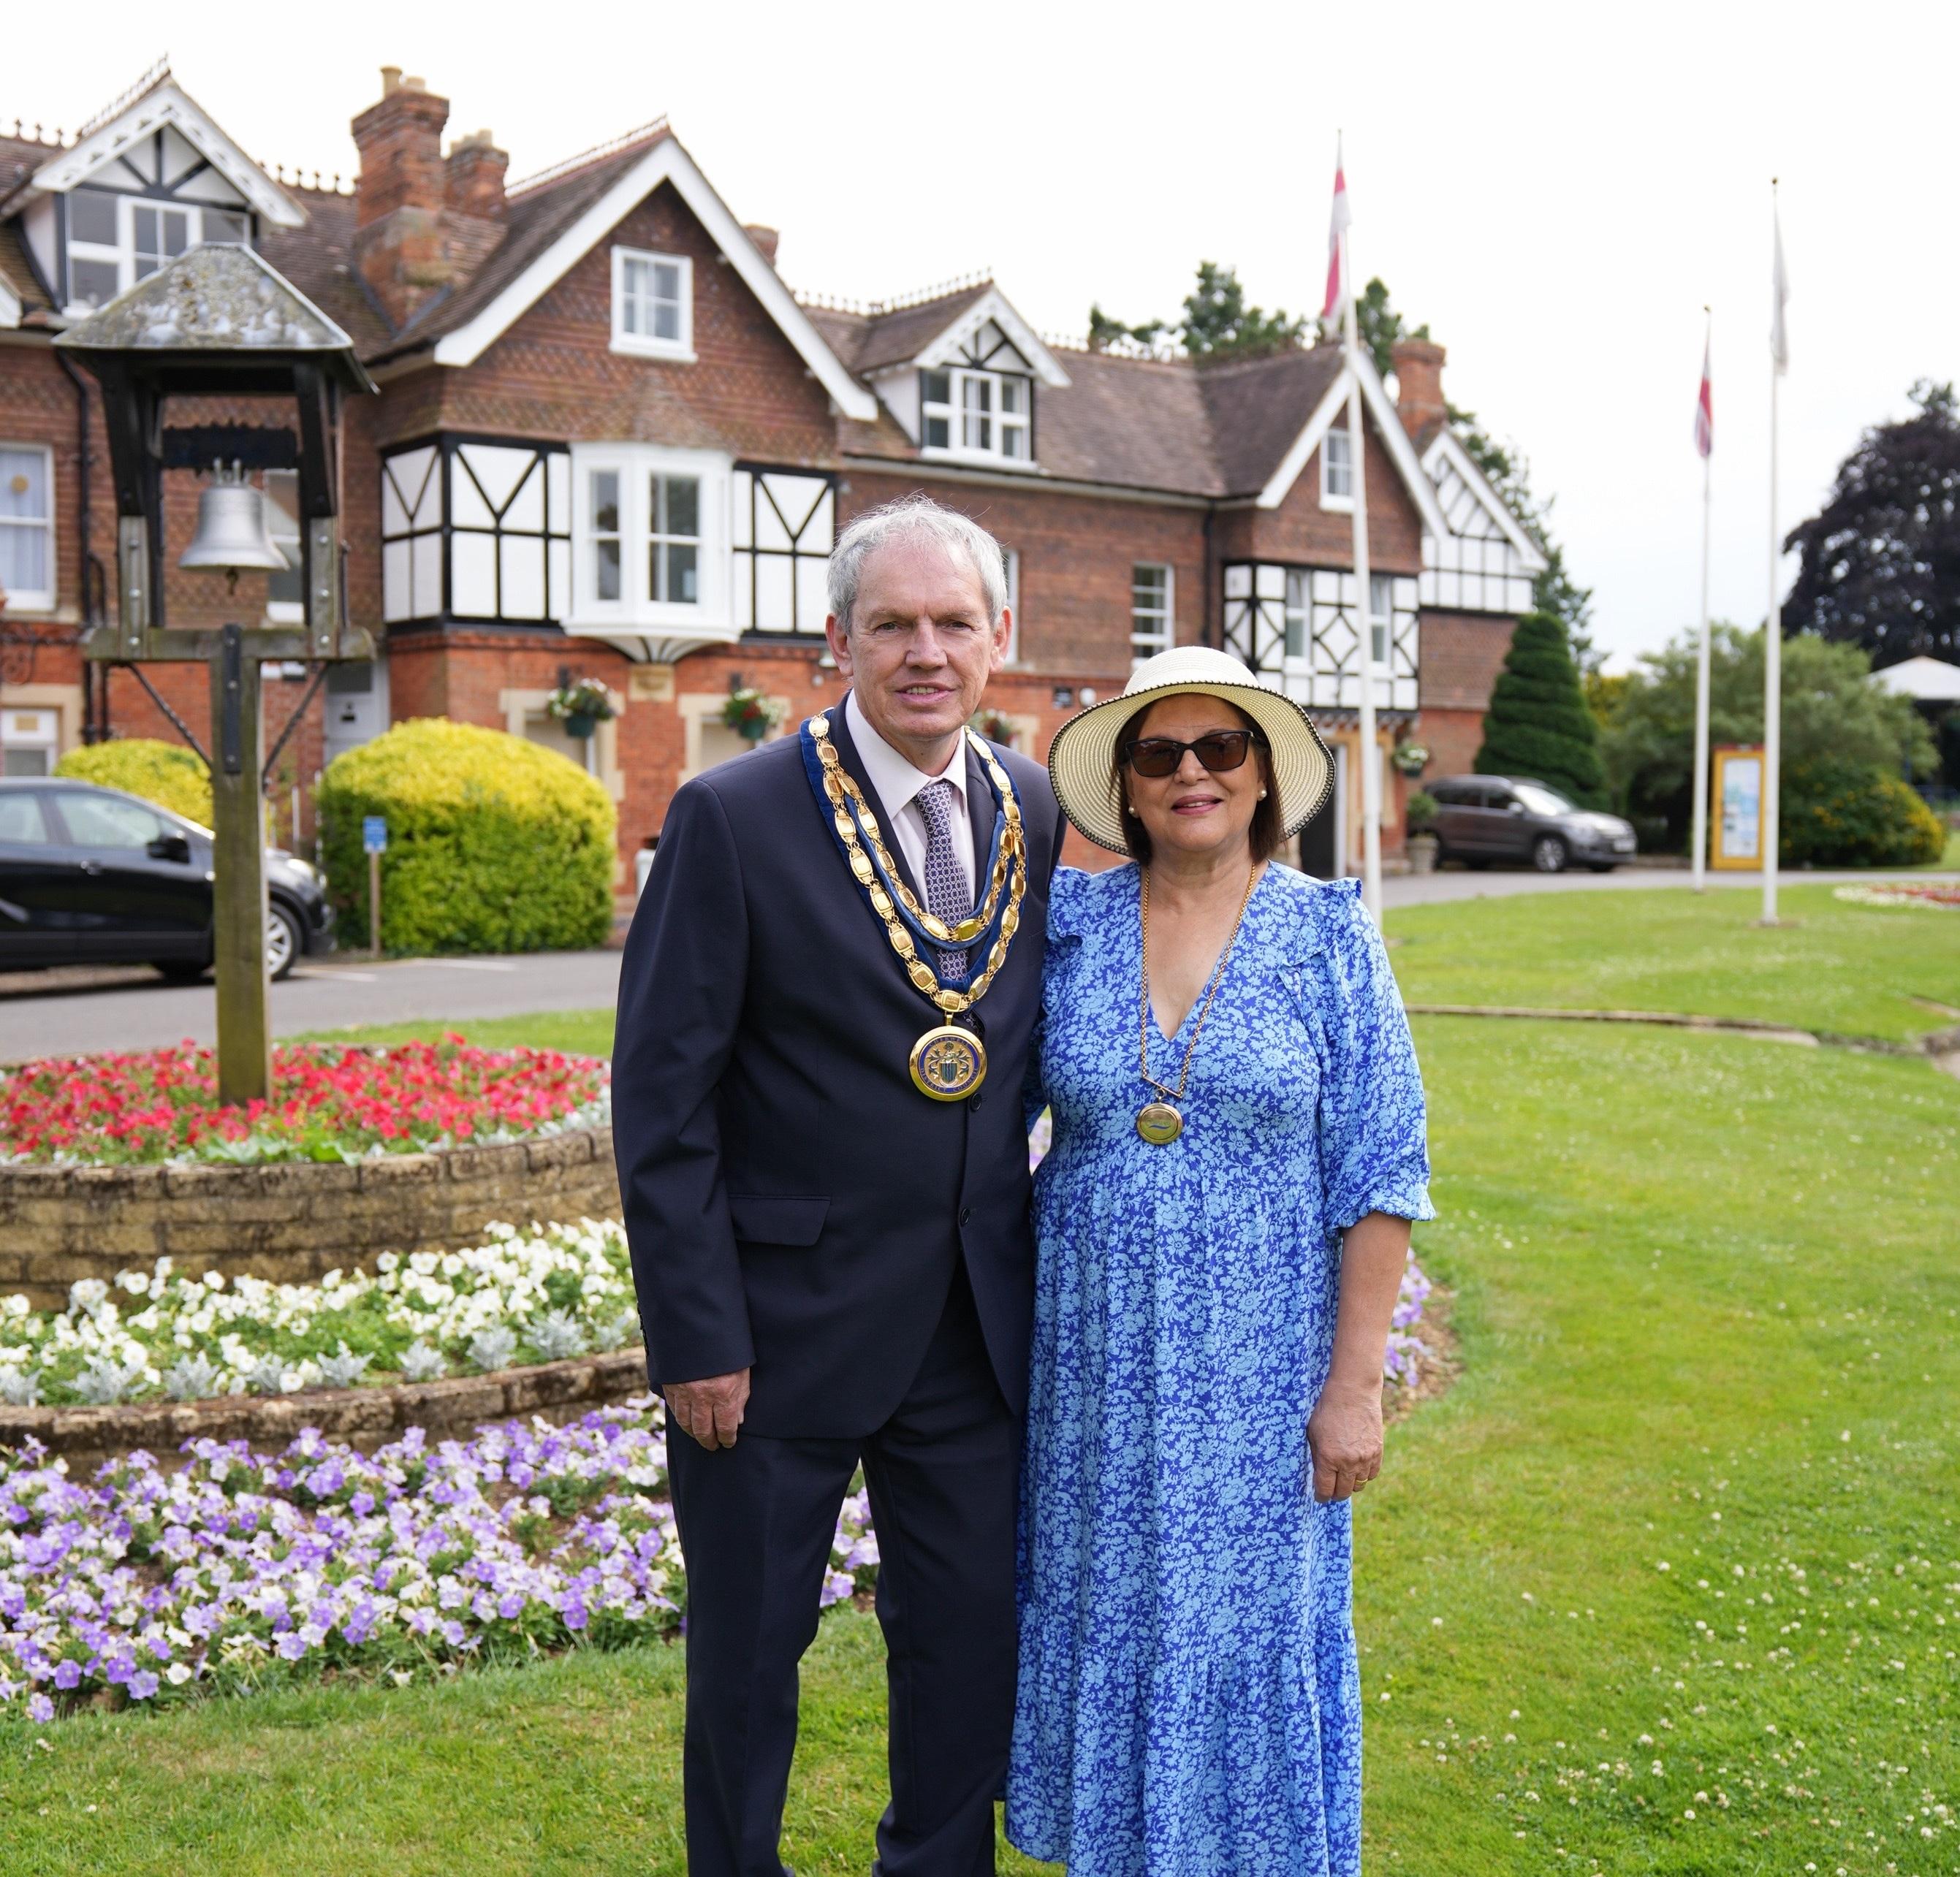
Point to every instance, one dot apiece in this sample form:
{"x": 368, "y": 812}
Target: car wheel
{"x": 1549, "y": 853}
{"x": 179, "y": 970}
{"x": 283, "y": 942}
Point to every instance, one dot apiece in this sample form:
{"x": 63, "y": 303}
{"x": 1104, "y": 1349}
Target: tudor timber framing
{"x": 667, "y": 161}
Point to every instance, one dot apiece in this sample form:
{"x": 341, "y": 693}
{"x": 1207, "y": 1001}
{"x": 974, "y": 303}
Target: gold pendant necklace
{"x": 1159, "y": 1122}
{"x": 948, "y": 1063}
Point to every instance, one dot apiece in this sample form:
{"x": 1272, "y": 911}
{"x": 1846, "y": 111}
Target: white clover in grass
{"x": 421, "y": 1363}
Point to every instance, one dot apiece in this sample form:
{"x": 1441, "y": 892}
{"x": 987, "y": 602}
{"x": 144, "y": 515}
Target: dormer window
{"x": 969, "y": 413}
{"x": 116, "y": 240}
{"x": 653, "y": 304}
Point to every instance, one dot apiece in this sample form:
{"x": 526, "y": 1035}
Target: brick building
{"x": 611, "y": 443}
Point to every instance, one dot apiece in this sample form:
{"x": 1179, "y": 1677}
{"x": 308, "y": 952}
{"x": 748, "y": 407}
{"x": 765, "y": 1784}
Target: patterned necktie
{"x": 947, "y": 896}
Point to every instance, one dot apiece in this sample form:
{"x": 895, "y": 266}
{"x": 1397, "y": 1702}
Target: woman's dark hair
{"x": 1265, "y": 837}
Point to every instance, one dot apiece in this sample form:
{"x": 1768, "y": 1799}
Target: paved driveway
{"x": 80, "y": 1012}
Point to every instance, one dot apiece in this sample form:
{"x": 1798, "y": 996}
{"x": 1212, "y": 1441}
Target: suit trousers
{"x": 757, "y": 1521}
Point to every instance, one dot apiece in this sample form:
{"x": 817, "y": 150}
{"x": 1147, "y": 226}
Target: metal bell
{"x": 231, "y": 528}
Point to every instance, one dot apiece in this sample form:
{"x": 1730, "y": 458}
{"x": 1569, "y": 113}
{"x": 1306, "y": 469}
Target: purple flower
{"x": 143, "y": 1685}
{"x": 39, "y": 1707}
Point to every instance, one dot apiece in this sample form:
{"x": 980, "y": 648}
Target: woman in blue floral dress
{"x": 1221, "y": 1226}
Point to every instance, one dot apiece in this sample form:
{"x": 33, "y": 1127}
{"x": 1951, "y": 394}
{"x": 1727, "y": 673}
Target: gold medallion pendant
{"x": 1160, "y": 1123}
{"x": 948, "y": 1063}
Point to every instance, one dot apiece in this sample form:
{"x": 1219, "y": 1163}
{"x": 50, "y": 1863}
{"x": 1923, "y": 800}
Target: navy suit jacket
{"x": 793, "y": 1205}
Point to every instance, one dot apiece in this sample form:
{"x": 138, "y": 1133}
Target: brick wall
{"x": 1300, "y": 530}
{"x": 1461, "y": 654}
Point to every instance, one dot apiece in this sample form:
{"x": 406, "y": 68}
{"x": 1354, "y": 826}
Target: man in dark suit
{"x": 833, "y": 1268}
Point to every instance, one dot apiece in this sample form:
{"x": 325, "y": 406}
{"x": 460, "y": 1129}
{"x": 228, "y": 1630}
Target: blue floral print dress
{"x": 1190, "y": 1702}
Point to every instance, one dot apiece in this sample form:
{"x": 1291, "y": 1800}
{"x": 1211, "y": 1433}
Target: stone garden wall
{"x": 288, "y": 1221}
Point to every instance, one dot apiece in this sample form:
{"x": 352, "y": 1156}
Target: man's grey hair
{"x": 915, "y": 518}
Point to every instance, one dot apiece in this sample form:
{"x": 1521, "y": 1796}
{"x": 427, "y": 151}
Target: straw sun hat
{"x": 1082, "y": 759}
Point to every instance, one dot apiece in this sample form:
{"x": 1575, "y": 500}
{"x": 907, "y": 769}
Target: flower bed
{"x": 332, "y": 1103}
{"x": 1944, "y": 895}
{"x": 543, "y": 1296}
{"x": 247, "y": 1570}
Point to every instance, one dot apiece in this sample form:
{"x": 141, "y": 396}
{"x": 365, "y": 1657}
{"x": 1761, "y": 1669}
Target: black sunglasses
{"x": 1219, "y": 750}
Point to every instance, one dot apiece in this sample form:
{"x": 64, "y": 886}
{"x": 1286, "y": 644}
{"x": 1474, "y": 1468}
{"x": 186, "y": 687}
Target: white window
{"x": 1298, "y": 613}
{"x": 115, "y": 240}
{"x": 1337, "y": 469}
{"x": 1381, "y": 616}
{"x": 30, "y": 742}
{"x": 27, "y": 528}
{"x": 1151, "y": 627}
{"x": 653, "y": 304}
{"x": 651, "y": 536}
{"x": 285, "y": 589}
{"x": 987, "y": 413}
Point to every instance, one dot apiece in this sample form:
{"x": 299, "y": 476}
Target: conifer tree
{"x": 1538, "y": 725}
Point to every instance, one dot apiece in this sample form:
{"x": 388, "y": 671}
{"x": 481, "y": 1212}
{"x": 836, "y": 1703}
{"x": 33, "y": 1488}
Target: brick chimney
{"x": 476, "y": 168}
{"x": 765, "y": 239}
{"x": 1419, "y": 380}
{"x": 400, "y": 195}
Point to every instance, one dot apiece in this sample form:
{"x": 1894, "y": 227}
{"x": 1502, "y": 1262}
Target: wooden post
{"x": 238, "y": 860}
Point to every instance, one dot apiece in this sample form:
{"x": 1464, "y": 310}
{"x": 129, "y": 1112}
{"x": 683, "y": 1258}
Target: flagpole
{"x": 1698, "y": 836}
{"x": 1772, "y": 619}
{"x": 1370, "y": 757}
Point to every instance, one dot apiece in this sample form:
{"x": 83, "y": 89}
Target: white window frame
{"x": 955, "y": 411}
{"x": 1342, "y": 501}
{"x": 636, "y": 609}
{"x": 1382, "y": 625}
{"x": 122, "y": 255}
{"x": 41, "y": 599}
{"x": 1166, "y": 636}
{"x": 647, "y": 344}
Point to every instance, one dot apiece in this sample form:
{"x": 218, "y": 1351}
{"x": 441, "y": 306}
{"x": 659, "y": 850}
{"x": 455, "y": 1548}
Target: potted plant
{"x": 750, "y": 714}
{"x": 996, "y": 725}
{"x": 1423, "y": 846}
{"x": 581, "y": 707}
{"x": 1411, "y": 757}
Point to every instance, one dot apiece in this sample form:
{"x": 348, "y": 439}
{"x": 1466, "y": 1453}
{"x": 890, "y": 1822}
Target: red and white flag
{"x": 1704, "y": 409}
{"x": 1337, "y": 286}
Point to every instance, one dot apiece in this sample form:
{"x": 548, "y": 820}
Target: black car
{"x": 1480, "y": 819}
{"x": 92, "y": 876}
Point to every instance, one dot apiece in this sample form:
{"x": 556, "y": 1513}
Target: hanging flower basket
{"x": 995, "y": 725}
{"x": 1410, "y": 759}
{"x": 581, "y": 707}
{"x": 750, "y": 714}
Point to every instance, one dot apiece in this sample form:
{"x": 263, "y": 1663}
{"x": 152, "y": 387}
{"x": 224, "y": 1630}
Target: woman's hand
{"x": 1344, "y": 1436}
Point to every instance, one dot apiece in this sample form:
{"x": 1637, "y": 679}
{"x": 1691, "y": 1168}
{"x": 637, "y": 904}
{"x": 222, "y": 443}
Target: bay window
{"x": 650, "y": 528}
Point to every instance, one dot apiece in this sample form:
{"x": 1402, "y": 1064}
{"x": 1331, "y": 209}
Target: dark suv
{"x": 92, "y": 876}
{"x": 1480, "y": 819}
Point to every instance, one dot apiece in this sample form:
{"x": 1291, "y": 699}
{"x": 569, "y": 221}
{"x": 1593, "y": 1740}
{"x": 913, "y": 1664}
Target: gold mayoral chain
{"x": 1159, "y": 1122}
{"x": 947, "y": 1063}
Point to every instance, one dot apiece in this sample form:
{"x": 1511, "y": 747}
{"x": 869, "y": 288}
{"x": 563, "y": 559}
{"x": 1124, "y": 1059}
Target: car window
{"x": 1448, "y": 794}
{"x": 21, "y": 821}
{"x": 108, "y": 821}
{"x": 1541, "y": 800}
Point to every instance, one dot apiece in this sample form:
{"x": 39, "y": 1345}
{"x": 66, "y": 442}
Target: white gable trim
{"x": 993, "y": 305}
{"x": 10, "y": 308}
{"x": 1401, "y": 452}
{"x": 164, "y": 103}
{"x": 665, "y": 162}
{"x": 1448, "y": 447}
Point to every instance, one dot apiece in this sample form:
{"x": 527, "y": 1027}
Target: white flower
{"x": 266, "y": 1375}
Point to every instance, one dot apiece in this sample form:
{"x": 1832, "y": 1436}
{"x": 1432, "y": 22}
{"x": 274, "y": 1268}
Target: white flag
{"x": 1779, "y": 299}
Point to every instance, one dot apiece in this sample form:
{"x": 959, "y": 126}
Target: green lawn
{"x": 1708, "y": 1292}
{"x": 1891, "y": 972}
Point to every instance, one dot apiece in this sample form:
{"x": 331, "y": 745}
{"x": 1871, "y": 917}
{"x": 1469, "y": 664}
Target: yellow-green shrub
{"x": 167, "y": 774}
{"x": 494, "y": 844}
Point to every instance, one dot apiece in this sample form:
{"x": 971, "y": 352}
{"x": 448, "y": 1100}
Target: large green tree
{"x": 1881, "y": 562}
{"x": 1832, "y": 712}
{"x": 1537, "y": 724}
{"x": 1219, "y": 321}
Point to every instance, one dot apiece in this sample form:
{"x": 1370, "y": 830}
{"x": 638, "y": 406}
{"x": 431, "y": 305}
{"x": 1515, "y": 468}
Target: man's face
{"x": 921, "y": 648}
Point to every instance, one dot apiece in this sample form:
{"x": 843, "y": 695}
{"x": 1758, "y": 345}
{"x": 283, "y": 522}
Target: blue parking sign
{"x": 375, "y": 834}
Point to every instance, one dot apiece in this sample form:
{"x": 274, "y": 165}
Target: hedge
{"x": 494, "y": 844}
{"x": 1850, "y": 814}
{"x": 1538, "y": 725}
{"x": 167, "y": 774}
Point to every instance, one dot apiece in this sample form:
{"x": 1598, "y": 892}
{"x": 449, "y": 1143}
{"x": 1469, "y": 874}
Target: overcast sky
{"x": 1558, "y": 190}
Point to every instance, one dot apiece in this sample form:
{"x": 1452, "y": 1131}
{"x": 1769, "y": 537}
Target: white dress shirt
{"x": 897, "y": 782}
